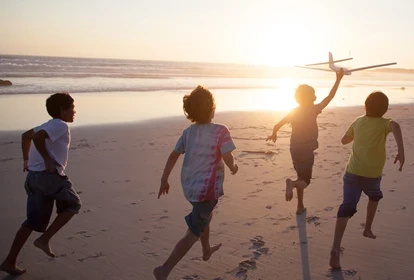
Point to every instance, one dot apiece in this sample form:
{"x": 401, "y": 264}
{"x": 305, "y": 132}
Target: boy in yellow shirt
{"x": 364, "y": 169}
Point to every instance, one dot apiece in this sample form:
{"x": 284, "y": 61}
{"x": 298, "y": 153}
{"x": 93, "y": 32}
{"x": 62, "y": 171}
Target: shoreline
{"x": 182, "y": 118}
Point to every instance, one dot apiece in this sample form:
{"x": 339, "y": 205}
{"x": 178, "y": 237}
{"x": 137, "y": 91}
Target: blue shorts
{"x": 43, "y": 189}
{"x": 200, "y": 216}
{"x": 303, "y": 159}
{"x": 354, "y": 185}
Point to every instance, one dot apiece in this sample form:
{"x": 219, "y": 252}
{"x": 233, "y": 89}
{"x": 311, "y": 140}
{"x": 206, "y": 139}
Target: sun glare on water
{"x": 281, "y": 98}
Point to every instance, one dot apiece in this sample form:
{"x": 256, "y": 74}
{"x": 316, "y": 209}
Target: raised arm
{"x": 332, "y": 93}
{"x": 26, "y": 141}
{"x": 396, "y": 130}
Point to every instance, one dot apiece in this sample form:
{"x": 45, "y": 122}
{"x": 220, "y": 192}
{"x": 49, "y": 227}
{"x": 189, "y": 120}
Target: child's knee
{"x": 346, "y": 211}
{"x": 375, "y": 198}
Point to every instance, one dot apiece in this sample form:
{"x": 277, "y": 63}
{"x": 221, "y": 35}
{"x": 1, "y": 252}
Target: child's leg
{"x": 371, "y": 210}
{"x": 352, "y": 193}
{"x": 197, "y": 221}
{"x": 39, "y": 209}
{"x": 9, "y": 264}
{"x": 43, "y": 241}
{"x": 301, "y": 207}
{"x": 303, "y": 159}
{"x": 340, "y": 227}
{"x": 180, "y": 250}
{"x": 373, "y": 191}
{"x": 67, "y": 203}
{"x": 205, "y": 242}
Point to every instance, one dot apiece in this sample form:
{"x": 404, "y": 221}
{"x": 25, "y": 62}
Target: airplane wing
{"x": 314, "y": 68}
{"x": 321, "y": 63}
{"x": 373, "y": 66}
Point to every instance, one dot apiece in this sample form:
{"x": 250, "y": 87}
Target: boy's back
{"x": 368, "y": 150}
{"x": 202, "y": 174}
{"x": 57, "y": 145}
{"x": 304, "y": 126}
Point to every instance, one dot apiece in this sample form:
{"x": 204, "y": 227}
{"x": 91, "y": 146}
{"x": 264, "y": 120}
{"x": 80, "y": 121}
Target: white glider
{"x": 333, "y": 67}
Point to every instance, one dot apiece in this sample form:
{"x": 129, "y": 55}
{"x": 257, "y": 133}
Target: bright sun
{"x": 279, "y": 98}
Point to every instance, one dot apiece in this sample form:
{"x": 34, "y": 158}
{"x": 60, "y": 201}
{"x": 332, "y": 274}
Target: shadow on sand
{"x": 304, "y": 254}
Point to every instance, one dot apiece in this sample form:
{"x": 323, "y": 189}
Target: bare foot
{"x": 44, "y": 247}
{"x": 207, "y": 255}
{"x": 300, "y": 210}
{"x": 11, "y": 269}
{"x": 289, "y": 190}
{"x": 368, "y": 233}
{"x": 160, "y": 273}
{"x": 334, "y": 261}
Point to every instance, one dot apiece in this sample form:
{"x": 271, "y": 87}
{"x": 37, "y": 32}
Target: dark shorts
{"x": 303, "y": 159}
{"x": 199, "y": 218}
{"x": 354, "y": 185}
{"x": 43, "y": 189}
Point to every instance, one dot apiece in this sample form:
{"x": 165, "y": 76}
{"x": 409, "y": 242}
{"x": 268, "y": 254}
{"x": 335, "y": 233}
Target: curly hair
{"x": 304, "y": 94}
{"x": 199, "y": 105}
{"x": 58, "y": 101}
{"x": 376, "y": 104}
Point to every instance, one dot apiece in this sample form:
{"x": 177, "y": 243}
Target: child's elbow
{"x": 346, "y": 140}
{"x": 28, "y": 135}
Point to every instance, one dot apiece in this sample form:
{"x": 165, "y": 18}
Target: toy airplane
{"x": 333, "y": 67}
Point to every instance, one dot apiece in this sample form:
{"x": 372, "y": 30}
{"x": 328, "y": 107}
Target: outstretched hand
{"x": 340, "y": 74}
{"x": 164, "y": 188}
{"x": 401, "y": 158}
{"x": 272, "y": 138}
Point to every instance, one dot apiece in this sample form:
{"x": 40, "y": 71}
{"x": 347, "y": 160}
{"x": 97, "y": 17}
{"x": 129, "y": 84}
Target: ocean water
{"x": 117, "y": 91}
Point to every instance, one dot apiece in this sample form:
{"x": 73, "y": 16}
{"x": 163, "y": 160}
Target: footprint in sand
{"x": 313, "y": 219}
{"x": 350, "y": 272}
{"x": 98, "y": 255}
{"x": 6, "y": 159}
{"x": 150, "y": 254}
{"x": 289, "y": 229}
{"x": 269, "y": 207}
{"x": 257, "y": 241}
{"x": 329, "y": 208}
{"x": 163, "y": 218}
{"x": 87, "y": 211}
{"x": 145, "y": 239}
{"x": 83, "y": 233}
{"x": 190, "y": 277}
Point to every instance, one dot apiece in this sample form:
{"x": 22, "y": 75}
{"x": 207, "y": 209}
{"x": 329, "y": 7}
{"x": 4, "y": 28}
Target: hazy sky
{"x": 260, "y": 31}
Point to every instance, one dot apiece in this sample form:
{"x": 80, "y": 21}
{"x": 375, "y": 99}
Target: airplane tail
{"x": 331, "y": 61}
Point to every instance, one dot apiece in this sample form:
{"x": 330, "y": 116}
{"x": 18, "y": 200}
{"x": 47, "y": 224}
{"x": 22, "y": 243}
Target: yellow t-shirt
{"x": 368, "y": 151}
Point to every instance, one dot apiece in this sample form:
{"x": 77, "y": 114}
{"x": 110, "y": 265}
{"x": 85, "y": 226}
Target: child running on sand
{"x": 45, "y": 159}
{"x": 364, "y": 169}
{"x": 204, "y": 144}
{"x": 304, "y": 138}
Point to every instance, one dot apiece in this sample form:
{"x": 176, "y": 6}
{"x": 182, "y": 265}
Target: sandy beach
{"x": 124, "y": 231}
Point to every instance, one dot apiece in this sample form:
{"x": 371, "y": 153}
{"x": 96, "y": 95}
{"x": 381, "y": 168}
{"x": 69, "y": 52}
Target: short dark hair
{"x": 57, "y": 102}
{"x": 304, "y": 94}
{"x": 376, "y": 104}
{"x": 199, "y": 105}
